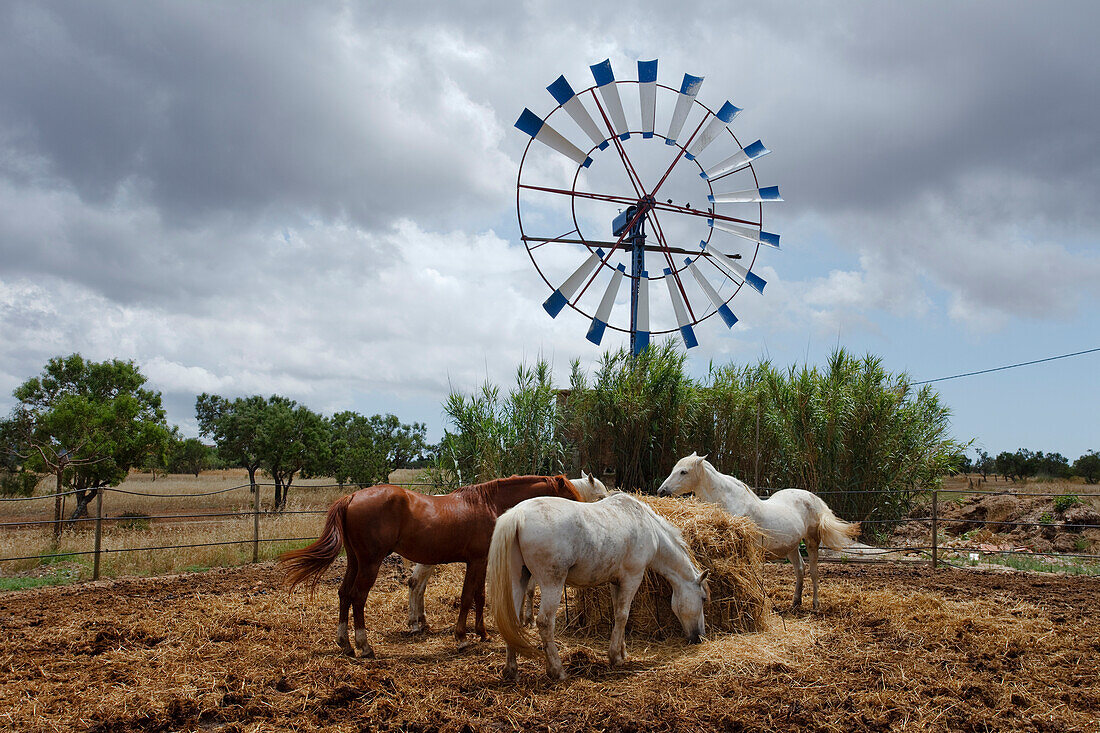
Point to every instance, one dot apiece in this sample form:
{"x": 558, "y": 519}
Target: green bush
{"x": 19, "y": 483}
{"x": 1062, "y": 503}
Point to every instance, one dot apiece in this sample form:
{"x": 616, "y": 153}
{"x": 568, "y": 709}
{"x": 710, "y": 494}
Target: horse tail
{"x": 834, "y": 532}
{"x": 502, "y": 574}
{"x": 309, "y": 563}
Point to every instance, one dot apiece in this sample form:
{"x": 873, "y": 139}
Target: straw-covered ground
{"x": 893, "y": 648}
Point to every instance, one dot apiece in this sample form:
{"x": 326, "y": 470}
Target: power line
{"x": 1010, "y": 366}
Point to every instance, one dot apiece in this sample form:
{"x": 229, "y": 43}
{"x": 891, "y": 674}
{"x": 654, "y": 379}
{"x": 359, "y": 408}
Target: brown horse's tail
{"x": 503, "y": 576}
{"x": 309, "y": 563}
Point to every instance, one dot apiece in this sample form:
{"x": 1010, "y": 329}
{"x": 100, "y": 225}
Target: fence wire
{"x": 935, "y": 552}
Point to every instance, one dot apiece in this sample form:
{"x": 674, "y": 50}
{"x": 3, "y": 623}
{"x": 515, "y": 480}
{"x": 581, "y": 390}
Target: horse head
{"x": 688, "y": 600}
{"x": 685, "y": 476}
{"x": 589, "y": 487}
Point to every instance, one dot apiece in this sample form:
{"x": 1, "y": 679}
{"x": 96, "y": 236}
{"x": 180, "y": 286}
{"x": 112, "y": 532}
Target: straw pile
{"x": 726, "y": 545}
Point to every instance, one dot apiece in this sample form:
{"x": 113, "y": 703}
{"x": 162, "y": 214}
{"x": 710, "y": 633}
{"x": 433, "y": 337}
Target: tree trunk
{"x": 278, "y": 491}
{"x": 57, "y": 508}
{"x": 83, "y": 499}
{"x": 251, "y": 479}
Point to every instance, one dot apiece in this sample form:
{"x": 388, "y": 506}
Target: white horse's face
{"x": 684, "y": 477}
{"x": 589, "y": 487}
{"x": 687, "y": 603}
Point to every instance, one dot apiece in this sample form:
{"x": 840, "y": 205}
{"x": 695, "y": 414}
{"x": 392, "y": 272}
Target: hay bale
{"x": 730, "y": 547}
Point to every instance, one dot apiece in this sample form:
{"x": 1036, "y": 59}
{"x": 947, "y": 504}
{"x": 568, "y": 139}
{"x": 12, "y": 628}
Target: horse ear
{"x": 704, "y": 575}
{"x": 703, "y": 457}
{"x": 584, "y": 475}
{"x": 693, "y": 454}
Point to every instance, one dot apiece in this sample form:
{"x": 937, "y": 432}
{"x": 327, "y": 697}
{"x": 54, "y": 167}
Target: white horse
{"x": 589, "y": 487}
{"x": 788, "y": 516}
{"x": 562, "y": 542}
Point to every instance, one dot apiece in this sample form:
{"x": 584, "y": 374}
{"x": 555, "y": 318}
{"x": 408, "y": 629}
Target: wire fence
{"x": 932, "y": 538}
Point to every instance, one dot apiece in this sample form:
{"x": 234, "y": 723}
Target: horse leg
{"x": 345, "y": 604}
{"x": 364, "y": 581}
{"x": 548, "y": 612}
{"x": 799, "y": 571}
{"x": 622, "y": 595}
{"x": 418, "y": 584}
{"x": 519, "y": 585}
{"x": 474, "y": 575}
{"x": 528, "y": 614}
{"x": 811, "y": 547}
{"x": 479, "y": 601}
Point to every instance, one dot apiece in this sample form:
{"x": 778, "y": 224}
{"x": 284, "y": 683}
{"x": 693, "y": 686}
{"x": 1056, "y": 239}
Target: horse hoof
{"x": 347, "y": 651}
{"x": 509, "y": 674}
{"x": 367, "y": 653}
{"x": 464, "y": 644}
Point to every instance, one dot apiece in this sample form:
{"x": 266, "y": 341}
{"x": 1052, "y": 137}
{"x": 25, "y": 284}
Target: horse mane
{"x": 488, "y": 489}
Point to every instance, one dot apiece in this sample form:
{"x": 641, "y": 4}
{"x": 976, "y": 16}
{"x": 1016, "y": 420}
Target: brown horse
{"x": 457, "y": 527}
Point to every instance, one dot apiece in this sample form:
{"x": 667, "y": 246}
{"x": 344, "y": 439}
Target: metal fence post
{"x": 98, "y": 531}
{"x": 255, "y": 523}
{"x": 935, "y": 527}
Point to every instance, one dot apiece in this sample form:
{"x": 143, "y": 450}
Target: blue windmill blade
{"x": 719, "y": 305}
{"x": 647, "y": 95}
{"x": 748, "y": 196}
{"x": 560, "y": 297}
{"x": 719, "y": 122}
{"x": 754, "y": 235}
{"x": 737, "y": 161}
{"x": 680, "y": 309}
{"x": 733, "y": 268}
{"x": 641, "y": 315}
{"x": 689, "y": 89}
{"x": 571, "y": 103}
{"x": 609, "y": 90}
{"x": 603, "y": 313}
{"x": 537, "y": 128}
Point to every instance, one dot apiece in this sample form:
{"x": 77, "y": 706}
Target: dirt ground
{"x": 893, "y": 648}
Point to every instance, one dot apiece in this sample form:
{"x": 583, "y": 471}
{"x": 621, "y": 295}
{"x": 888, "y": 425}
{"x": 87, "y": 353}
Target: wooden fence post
{"x": 98, "y": 531}
{"x": 255, "y": 523}
{"x": 935, "y": 527}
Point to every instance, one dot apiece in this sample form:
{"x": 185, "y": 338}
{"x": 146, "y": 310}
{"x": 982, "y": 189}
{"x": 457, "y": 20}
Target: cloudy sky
{"x": 318, "y": 199}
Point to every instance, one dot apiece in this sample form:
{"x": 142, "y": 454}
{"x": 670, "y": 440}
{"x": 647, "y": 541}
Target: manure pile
{"x": 728, "y": 546}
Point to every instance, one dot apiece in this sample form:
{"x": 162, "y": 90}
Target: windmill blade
{"x": 571, "y": 103}
{"x": 716, "y": 125}
{"x": 734, "y": 268}
{"x": 682, "y": 319}
{"x": 737, "y": 161}
{"x": 609, "y": 90}
{"x": 641, "y": 318}
{"x": 534, "y": 126}
{"x": 562, "y": 295}
{"x": 688, "y": 91}
{"x": 704, "y": 285}
{"x": 748, "y": 196}
{"x": 599, "y": 321}
{"x": 647, "y": 95}
{"x": 753, "y": 235}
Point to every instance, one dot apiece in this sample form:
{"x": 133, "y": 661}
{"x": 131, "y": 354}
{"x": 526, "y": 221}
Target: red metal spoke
{"x": 631, "y": 172}
{"x": 583, "y": 194}
{"x": 672, "y": 265}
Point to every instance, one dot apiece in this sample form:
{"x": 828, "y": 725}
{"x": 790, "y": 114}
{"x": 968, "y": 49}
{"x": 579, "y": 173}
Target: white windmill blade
{"x": 682, "y": 319}
{"x": 609, "y": 90}
{"x": 737, "y": 161}
{"x": 562, "y": 295}
{"x": 641, "y": 317}
{"x": 647, "y": 95}
{"x": 748, "y": 196}
{"x": 534, "y": 126}
{"x": 688, "y": 91}
{"x": 734, "y": 268}
{"x": 719, "y": 305}
{"x": 571, "y": 103}
{"x": 599, "y": 321}
{"x": 753, "y": 235}
{"x": 719, "y": 122}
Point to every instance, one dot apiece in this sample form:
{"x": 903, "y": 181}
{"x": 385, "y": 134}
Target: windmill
{"x": 620, "y": 204}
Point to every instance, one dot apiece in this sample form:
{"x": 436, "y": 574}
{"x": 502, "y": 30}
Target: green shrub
{"x": 19, "y": 483}
{"x": 1062, "y": 503}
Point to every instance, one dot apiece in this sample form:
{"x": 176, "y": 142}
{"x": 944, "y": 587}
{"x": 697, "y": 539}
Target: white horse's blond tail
{"x": 500, "y": 575}
{"x": 835, "y": 533}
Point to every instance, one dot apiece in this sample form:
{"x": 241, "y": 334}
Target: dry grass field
{"x": 903, "y": 649}
{"x": 893, "y": 647}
